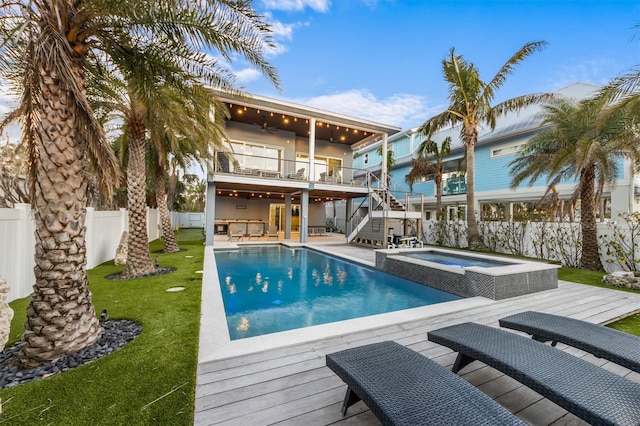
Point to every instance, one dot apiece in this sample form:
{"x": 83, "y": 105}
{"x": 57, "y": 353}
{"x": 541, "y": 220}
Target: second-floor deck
{"x": 254, "y": 174}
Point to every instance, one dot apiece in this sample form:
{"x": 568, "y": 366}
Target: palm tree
{"x": 184, "y": 137}
{"x": 46, "y": 51}
{"x": 390, "y": 161}
{"x": 430, "y": 161}
{"x": 196, "y": 196}
{"x": 168, "y": 64}
{"x": 470, "y": 105}
{"x": 583, "y": 145}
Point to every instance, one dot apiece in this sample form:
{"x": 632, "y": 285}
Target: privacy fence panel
{"x": 17, "y": 242}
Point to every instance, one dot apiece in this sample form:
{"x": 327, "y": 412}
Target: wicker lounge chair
{"x": 592, "y": 393}
{"x": 236, "y": 236}
{"x": 299, "y": 175}
{"x": 272, "y": 232}
{"x": 603, "y": 342}
{"x": 402, "y": 387}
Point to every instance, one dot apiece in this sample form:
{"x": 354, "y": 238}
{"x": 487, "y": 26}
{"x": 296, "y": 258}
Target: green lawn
{"x": 149, "y": 381}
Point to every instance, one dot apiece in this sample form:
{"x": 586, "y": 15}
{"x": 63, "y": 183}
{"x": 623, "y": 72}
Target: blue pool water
{"x": 451, "y": 259}
{"x": 267, "y": 289}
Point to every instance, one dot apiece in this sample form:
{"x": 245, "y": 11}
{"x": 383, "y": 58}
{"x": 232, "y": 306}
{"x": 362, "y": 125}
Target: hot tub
{"x": 469, "y": 274}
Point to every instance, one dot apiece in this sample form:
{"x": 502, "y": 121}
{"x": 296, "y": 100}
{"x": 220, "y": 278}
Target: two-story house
{"x": 281, "y": 163}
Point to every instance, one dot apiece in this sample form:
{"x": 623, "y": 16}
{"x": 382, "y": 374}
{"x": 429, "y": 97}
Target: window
{"x": 324, "y": 166}
{"x": 254, "y": 156}
{"x": 507, "y": 149}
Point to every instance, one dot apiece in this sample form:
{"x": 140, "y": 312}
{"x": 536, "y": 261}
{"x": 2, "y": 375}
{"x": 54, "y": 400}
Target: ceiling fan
{"x": 264, "y": 127}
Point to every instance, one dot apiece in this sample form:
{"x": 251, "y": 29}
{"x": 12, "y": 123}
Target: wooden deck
{"x": 292, "y": 386}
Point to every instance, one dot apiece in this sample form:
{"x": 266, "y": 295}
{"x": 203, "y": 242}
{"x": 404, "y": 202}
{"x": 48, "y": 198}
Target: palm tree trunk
{"x": 474, "y": 240}
{"x": 168, "y": 237}
{"x": 590, "y": 254}
{"x": 60, "y": 317}
{"x": 138, "y": 258}
{"x": 171, "y": 193}
{"x": 437, "y": 180}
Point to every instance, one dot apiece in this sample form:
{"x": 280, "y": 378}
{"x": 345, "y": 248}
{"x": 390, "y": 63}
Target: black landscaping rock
{"x": 115, "y": 334}
{"x": 157, "y": 271}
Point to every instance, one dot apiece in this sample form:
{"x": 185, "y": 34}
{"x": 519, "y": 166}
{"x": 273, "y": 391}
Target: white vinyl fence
{"x": 17, "y": 242}
{"x": 187, "y": 220}
{"x": 559, "y": 242}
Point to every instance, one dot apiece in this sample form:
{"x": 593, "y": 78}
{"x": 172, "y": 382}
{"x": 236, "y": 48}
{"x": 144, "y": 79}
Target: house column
{"x": 287, "y": 216}
{"x": 383, "y": 167}
{"x": 348, "y": 209}
{"x": 210, "y": 213}
{"x": 312, "y": 149}
{"x": 304, "y": 215}
{"x": 508, "y": 212}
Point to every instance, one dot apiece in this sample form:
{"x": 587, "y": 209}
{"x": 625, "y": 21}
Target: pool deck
{"x": 290, "y": 385}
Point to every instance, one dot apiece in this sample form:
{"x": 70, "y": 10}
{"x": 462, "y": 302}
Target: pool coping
{"x": 215, "y": 342}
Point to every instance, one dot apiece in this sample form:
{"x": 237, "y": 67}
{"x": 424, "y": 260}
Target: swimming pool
{"x": 456, "y": 260}
{"x": 268, "y": 289}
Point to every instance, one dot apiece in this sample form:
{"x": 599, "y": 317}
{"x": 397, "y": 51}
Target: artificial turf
{"x": 149, "y": 381}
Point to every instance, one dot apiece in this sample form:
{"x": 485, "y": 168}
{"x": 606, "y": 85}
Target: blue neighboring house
{"x": 495, "y": 149}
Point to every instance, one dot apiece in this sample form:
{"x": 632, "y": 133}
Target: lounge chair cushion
{"x": 592, "y": 393}
{"x": 604, "y": 342}
{"x": 402, "y": 387}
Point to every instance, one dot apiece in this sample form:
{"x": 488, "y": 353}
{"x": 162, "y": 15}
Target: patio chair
{"x": 236, "y": 235}
{"x": 403, "y": 387}
{"x": 299, "y": 175}
{"x": 357, "y": 181}
{"x": 272, "y": 232}
{"x": 603, "y": 342}
{"x": 588, "y": 391}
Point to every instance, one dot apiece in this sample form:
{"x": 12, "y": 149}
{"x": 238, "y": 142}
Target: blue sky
{"x": 381, "y": 59}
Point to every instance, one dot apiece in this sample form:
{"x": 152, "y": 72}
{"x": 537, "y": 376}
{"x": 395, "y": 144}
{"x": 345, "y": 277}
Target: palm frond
{"x": 498, "y": 80}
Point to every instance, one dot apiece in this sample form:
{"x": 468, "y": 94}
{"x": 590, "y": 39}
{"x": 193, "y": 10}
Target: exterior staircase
{"x": 380, "y": 203}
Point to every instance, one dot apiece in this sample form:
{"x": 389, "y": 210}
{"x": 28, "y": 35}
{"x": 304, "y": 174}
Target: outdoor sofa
{"x": 403, "y": 387}
{"x": 590, "y": 392}
{"x": 603, "y": 342}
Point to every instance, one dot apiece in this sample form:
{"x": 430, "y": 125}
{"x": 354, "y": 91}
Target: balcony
{"x": 270, "y": 168}
{"x": 455, "y": 185}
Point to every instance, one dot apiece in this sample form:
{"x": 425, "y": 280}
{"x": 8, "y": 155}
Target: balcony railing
{"x": 276, "y": 168}
{"x": 455, "y": 185}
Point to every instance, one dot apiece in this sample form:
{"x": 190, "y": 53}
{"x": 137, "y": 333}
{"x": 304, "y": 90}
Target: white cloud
{"x": 597, "y": 71}
{"x": 401, "y": 110}
{"x": 281, "y": 33}
{"x": 297, "y": 5}
{"x": 247, "y": 75}
{"x": 279, "y": 30}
